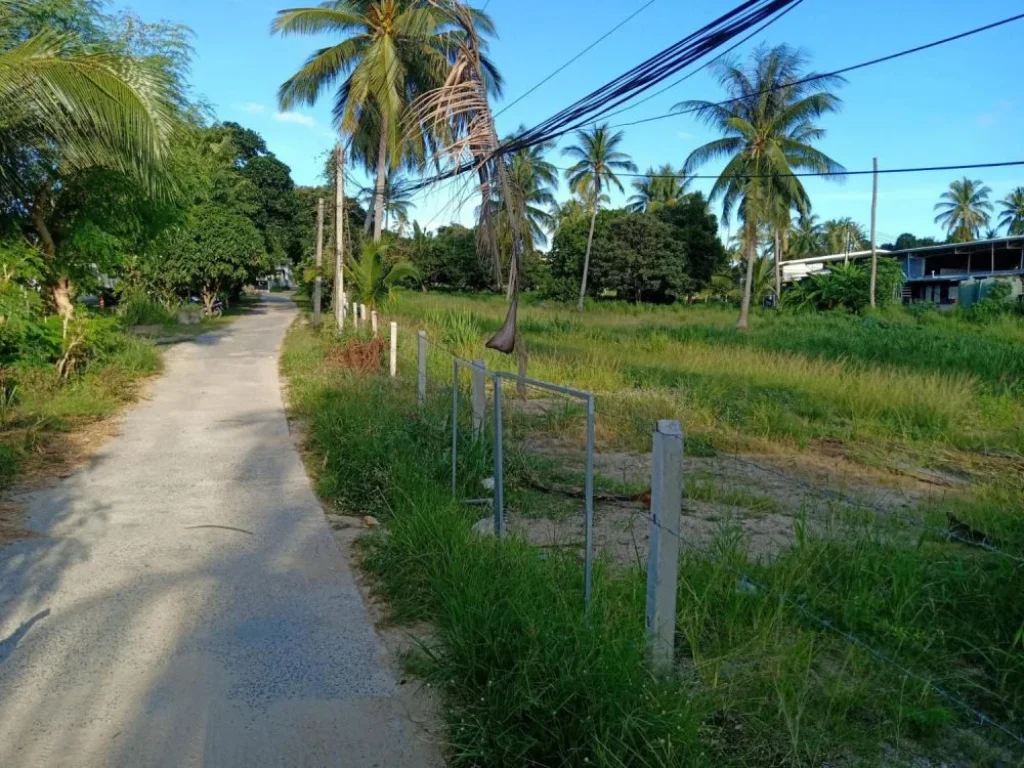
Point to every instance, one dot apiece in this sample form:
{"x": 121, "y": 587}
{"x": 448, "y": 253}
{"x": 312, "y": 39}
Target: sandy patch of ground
{"x": 762, "y": 498}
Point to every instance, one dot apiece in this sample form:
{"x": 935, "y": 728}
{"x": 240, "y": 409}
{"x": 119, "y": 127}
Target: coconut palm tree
{"x": 390, "y": 51}
{"x": 769, "y": 128}
{"x": 534, "y": 180}
{"x": 1012, "y": 215}
{"x": 372, "y": 280}
{"x": 68, "y": 107}
{"x": 843, "y": 236}
{"x": 807, "y": 238}
{"x": 459, "y": 112}
{"x": 597, "y": 161}
{"x": 664, "y": 186}
{"x": 396, "y": 197}
{"x": 964, "y": 209}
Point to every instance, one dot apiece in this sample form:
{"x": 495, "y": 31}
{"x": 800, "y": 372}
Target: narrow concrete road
{"x": 186, "y": 604}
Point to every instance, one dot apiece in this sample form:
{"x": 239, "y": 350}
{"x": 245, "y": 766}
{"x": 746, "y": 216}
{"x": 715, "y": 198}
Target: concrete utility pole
{"x": 318, "y": 284}
{"x": 874, "y": 217}
{"x": 339, "y": 231}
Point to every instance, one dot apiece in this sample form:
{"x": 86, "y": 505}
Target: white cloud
{"x": 252, "y": 108}
{"x": 295, "y": 117}
{"x": 684, "y": 135}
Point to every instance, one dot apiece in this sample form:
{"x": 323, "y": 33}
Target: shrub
{"x": 140, "y": 309}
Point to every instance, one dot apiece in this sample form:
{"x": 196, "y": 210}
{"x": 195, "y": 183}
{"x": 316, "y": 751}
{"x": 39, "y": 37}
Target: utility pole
{"x": 339, "y": 232}
{"x": 318, "y": 284}
{"x": 874, "y": 217}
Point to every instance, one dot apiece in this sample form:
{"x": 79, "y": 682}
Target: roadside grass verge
{"x": 41, "y": 415}
{"x": 530, "y": 679}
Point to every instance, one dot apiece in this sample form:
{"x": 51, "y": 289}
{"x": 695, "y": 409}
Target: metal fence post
{"x": 663, "y": 559}
{"x": 499, "y": 465}
{"x": 393, "y": 361}
{"x": 588, "y": 560}
{"x": 455, "y": 424}
{"x": 421, "y": 371}
{"x": 479, "y": 397}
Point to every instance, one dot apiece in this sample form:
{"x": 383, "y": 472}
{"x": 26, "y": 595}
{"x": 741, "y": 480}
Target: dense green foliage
{"x": 657, "y": 256}
{"x": 847, "y": 287}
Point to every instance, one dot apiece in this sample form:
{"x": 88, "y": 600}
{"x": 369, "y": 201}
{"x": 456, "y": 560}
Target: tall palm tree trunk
{"x": 382, "y": 170}
{"x": 590, "y": 243}
{"x": 751, "y": 248}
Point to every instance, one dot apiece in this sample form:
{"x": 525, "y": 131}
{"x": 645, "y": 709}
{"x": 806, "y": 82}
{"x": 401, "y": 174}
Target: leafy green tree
{"x": 1012, "y": 215}
{"x": 373, "y": 279}
{"x": 964, "y": 209}
{"x": 640, "y": 260}
{"x": 72, "y": 101}
{"x": 661, "y": 186}
{"x": 216, "y": 251}
{"x": 597, "y": 162}
{"x": 769, "y": 128}
{"x": 272, "y": 192}
{"x": 907, "y": 241}
{"x": 695, "y": 228}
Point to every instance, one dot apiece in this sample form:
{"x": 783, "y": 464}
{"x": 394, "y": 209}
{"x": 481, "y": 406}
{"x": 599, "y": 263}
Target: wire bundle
{"x": 656, "y": 69}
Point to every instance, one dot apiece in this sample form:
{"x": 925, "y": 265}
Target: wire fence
{"x": 483, "y": 413}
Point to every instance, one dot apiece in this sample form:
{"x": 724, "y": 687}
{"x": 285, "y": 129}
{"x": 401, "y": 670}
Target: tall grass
{"x": 531, "y": 680}
{"x": 924, "y": 382}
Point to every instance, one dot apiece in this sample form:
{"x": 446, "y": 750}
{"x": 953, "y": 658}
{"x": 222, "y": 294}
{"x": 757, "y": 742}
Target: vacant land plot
{"x": 835, "y": 471}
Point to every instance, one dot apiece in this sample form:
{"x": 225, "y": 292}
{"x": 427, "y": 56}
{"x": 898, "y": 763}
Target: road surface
{"x": 187, "y": 604}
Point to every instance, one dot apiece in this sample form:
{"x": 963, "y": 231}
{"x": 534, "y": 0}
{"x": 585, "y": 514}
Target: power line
{"x": 578, "y": 56}
{"x": 923, "y": 169}
{"x": 834, "y": 73}
{"x": 518, "y": 143}
{"x": 706, "y": 64}
{"x": 657, "y": 68}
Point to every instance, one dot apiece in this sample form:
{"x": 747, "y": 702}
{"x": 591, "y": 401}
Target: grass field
{"x": 530, "y": 680}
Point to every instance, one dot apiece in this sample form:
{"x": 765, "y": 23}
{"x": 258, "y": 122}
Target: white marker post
{"x": 394, "y": 350}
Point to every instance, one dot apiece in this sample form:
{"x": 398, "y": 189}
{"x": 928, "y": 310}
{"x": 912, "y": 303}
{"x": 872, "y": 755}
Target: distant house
{"x": 947, "y": 275}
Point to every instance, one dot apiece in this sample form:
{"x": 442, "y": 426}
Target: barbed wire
{"x": 885, "y": 511}
{"x": 752, "y": 586}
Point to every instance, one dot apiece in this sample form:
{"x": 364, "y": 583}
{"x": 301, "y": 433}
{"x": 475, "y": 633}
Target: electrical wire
{"x": 654, "y": 70}
{"x": 518, "y": 143}
{"x": 833, "y": 73}
{"x": 578, "y": 56}
{"x": 706, "y": 64}
{"x": 922, "y": 169}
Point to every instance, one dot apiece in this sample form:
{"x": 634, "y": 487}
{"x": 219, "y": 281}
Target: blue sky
{"x": 960, "y": 103}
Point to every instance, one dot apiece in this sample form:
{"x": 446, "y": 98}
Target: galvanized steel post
{"x": 499, "y": 465}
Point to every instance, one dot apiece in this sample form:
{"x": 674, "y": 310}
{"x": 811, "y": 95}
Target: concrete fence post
{"x": 373, "y": 321}
{"x": 663, "y": 559}
{"x": 421, "y": 370}
{"x": 479, "y": 397}
{"x": 393, "y": 359}
{"x": 355, "y": 315}
{"x": 363, "y": 313}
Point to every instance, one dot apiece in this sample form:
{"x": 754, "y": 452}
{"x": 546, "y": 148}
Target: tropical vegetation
{"x": 768, "y": 133}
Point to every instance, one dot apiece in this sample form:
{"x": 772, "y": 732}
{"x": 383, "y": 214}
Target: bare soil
{"x": 761, "y": 497}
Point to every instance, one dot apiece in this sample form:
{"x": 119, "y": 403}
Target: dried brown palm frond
{"x": 459, "y": 114}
